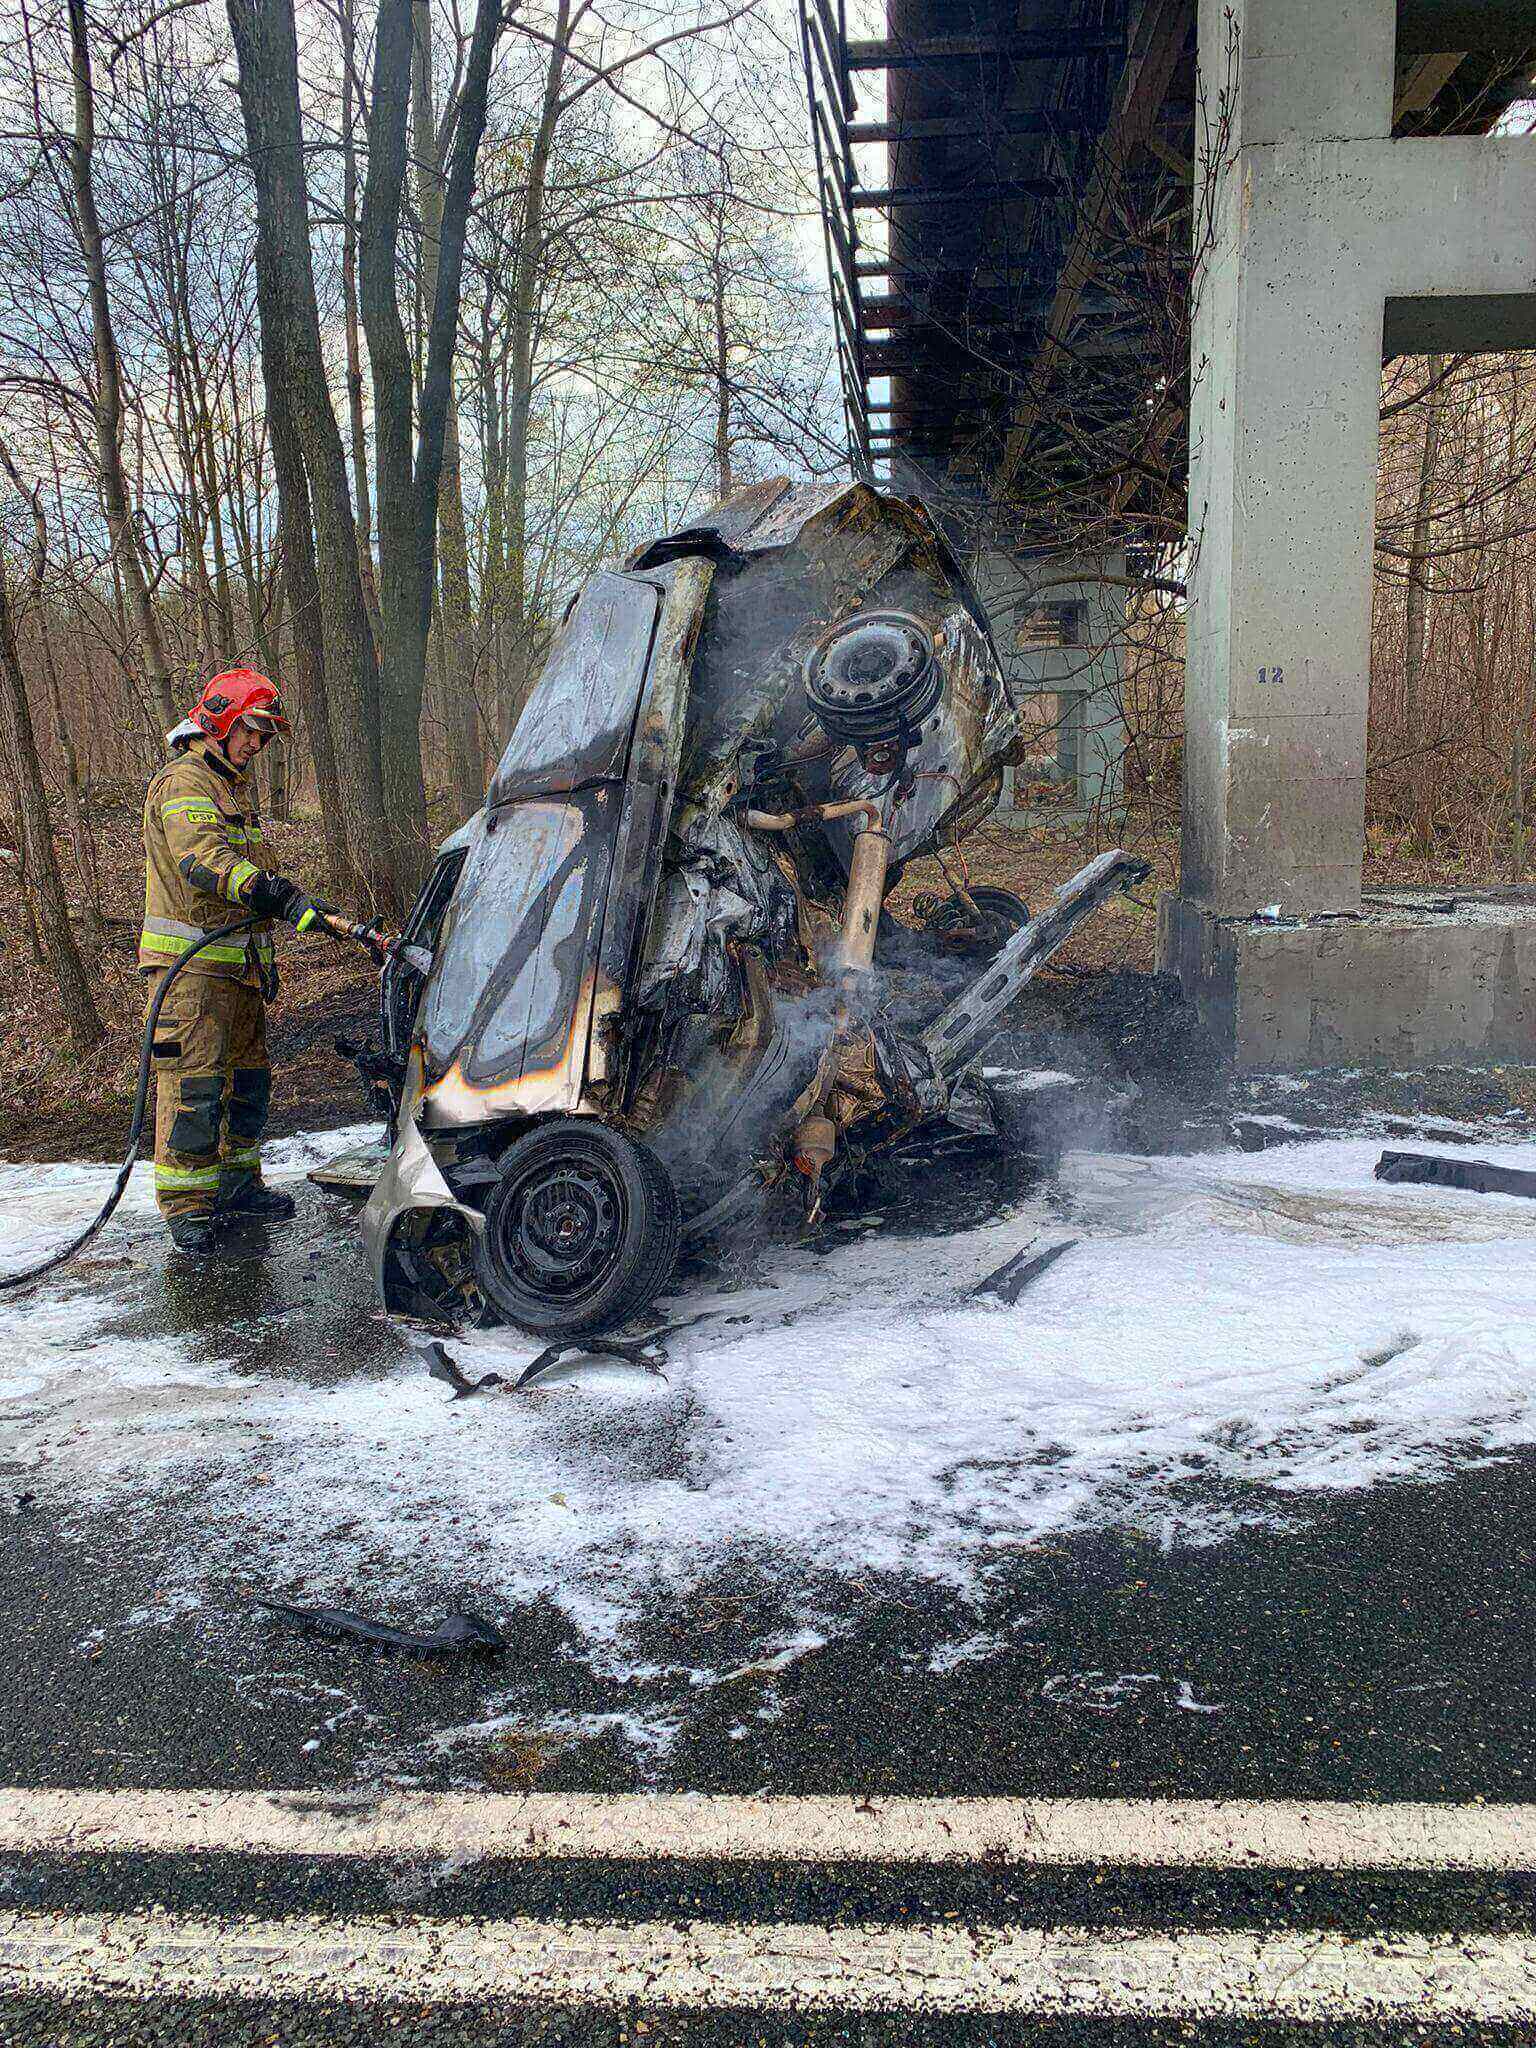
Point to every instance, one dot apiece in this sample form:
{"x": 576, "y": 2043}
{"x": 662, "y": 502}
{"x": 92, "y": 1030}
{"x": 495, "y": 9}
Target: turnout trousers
{"x": 213, "y": 1083}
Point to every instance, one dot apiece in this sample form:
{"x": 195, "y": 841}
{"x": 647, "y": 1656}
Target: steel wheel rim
{"x": 561, "y": 1227}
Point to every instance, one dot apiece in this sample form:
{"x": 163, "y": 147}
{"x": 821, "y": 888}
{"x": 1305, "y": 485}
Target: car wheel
{"x": 581, "y": 1230}
{"x": 1006, "y": 911}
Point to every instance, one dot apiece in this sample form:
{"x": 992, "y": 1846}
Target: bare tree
{"x": 76, "y": 999}
{"x": 311, "y": 457}
{"x": 351, "y": 99}
{"x": 526, "y": 279}
{"x": 455, "y": 611}
{"x": 409, "y": 470}
{"x": 81, "y": 837}
{"x": 127, "y": 559}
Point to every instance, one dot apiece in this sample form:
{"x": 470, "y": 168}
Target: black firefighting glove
{"x": 276, "y": 896}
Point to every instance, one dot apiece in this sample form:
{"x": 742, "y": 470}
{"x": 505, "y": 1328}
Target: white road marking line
{"x": 933, "y": 1969}
{"x": 1145, "y": 1833}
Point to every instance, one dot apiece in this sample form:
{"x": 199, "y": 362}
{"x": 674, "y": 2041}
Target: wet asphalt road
{"x": 1379, "y": 1648}
{"x": 254, "y": 2024}
{"x": 1382, "y": 1651}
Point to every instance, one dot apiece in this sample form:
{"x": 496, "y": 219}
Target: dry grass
{"x": 1123, "y": 934}
{"x": 1035, "y": 861}
{"x": 516, "y": 1759}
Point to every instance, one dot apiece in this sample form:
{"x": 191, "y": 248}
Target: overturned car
{"x": 645, "y": 988}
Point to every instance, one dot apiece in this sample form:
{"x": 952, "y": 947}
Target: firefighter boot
{"x": 253, "y": 1199}
{"x": 195, "y": 1234}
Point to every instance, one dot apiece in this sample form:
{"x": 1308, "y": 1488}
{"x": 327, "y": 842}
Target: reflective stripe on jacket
{"x": 202, "y": 844}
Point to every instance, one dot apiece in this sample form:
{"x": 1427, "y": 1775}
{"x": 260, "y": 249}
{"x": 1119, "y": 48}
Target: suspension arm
{"x": 958, "y": 1034}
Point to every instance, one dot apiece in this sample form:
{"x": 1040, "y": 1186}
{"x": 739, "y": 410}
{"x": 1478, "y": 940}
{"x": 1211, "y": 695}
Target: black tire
{"x": 581, "y": 1230}
{"x": 1010, "y": 911}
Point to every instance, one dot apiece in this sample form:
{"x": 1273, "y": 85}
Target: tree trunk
{"x": 81, "y": 838}
{"x": 407, "y": 480}
{"x": 363, "y": 504}
{"x": 267, "y": 50}
{"x": 1418, "y": 590}
{"x": 1413, "y": 650}
{"x": 722, "y": 365}
{"x": 76, "y": 998}
{"x": 493, "y": 564}
{"x": 121, "y": 527}
{"x": 454, "y": 621}
{"x": 512, "y": 674}
{"x": 270, "y": 597}
{"x": 1517, "y": 797}
{"x": 403, "y": 649}
{"x": 306, "y": 614}
{"x": 18, "y": 833}
{"x": 279, "y": 784}
{"x": 268, "y": 635}
{"x": 223, "y": 596}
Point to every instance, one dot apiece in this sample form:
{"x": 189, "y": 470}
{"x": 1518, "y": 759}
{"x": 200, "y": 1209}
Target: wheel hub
{"x": 873, "y": 679}
{"x": 565, "y": 1224}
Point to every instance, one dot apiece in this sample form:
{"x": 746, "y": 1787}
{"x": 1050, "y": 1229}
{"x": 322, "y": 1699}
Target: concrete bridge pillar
{"x": 1332, "y": 245}
{"x": 1060, "y": 630}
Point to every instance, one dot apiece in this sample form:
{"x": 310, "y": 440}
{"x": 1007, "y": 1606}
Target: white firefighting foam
{"x": 1276, "y": 1319}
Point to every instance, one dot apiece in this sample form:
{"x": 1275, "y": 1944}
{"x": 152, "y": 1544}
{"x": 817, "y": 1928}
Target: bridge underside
{"x": 1009, "y": 189}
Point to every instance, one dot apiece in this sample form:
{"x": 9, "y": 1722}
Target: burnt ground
{"x": 1134, "y": 1027}
{"x": 313, "y": 1087}
{"x": 1162, "y": 1086}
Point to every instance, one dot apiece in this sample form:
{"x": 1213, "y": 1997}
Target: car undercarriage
{"x": 651, "y": 988}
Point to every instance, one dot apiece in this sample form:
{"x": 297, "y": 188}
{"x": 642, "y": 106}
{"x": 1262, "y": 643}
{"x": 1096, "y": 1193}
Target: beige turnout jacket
{"x": 202, "y": 844}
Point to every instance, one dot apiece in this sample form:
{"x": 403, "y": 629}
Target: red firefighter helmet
{"x": 238, "y": 693}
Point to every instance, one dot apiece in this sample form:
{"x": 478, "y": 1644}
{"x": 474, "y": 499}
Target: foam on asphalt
{"x": 1236, "y": 1335}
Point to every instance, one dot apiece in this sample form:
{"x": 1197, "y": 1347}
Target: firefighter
{"x": 202, "y": 871}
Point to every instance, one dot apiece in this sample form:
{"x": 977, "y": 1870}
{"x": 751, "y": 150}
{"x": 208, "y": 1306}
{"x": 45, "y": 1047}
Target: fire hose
{"x": 339, "y": 927}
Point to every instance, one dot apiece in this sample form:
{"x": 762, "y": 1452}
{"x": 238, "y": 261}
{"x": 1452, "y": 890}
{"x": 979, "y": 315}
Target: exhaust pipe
{"x": 854, "y": 952}
{"x": 850, "y": 958}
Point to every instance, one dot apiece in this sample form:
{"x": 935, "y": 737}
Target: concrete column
{"x": 1087, "y": 674}
{"x": 1326, "y": 233}
{"x": 1319, "y": 220}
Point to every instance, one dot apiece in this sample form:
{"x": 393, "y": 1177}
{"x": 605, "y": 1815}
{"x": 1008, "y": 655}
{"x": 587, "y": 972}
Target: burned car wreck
{"x": 643, "y": 991}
